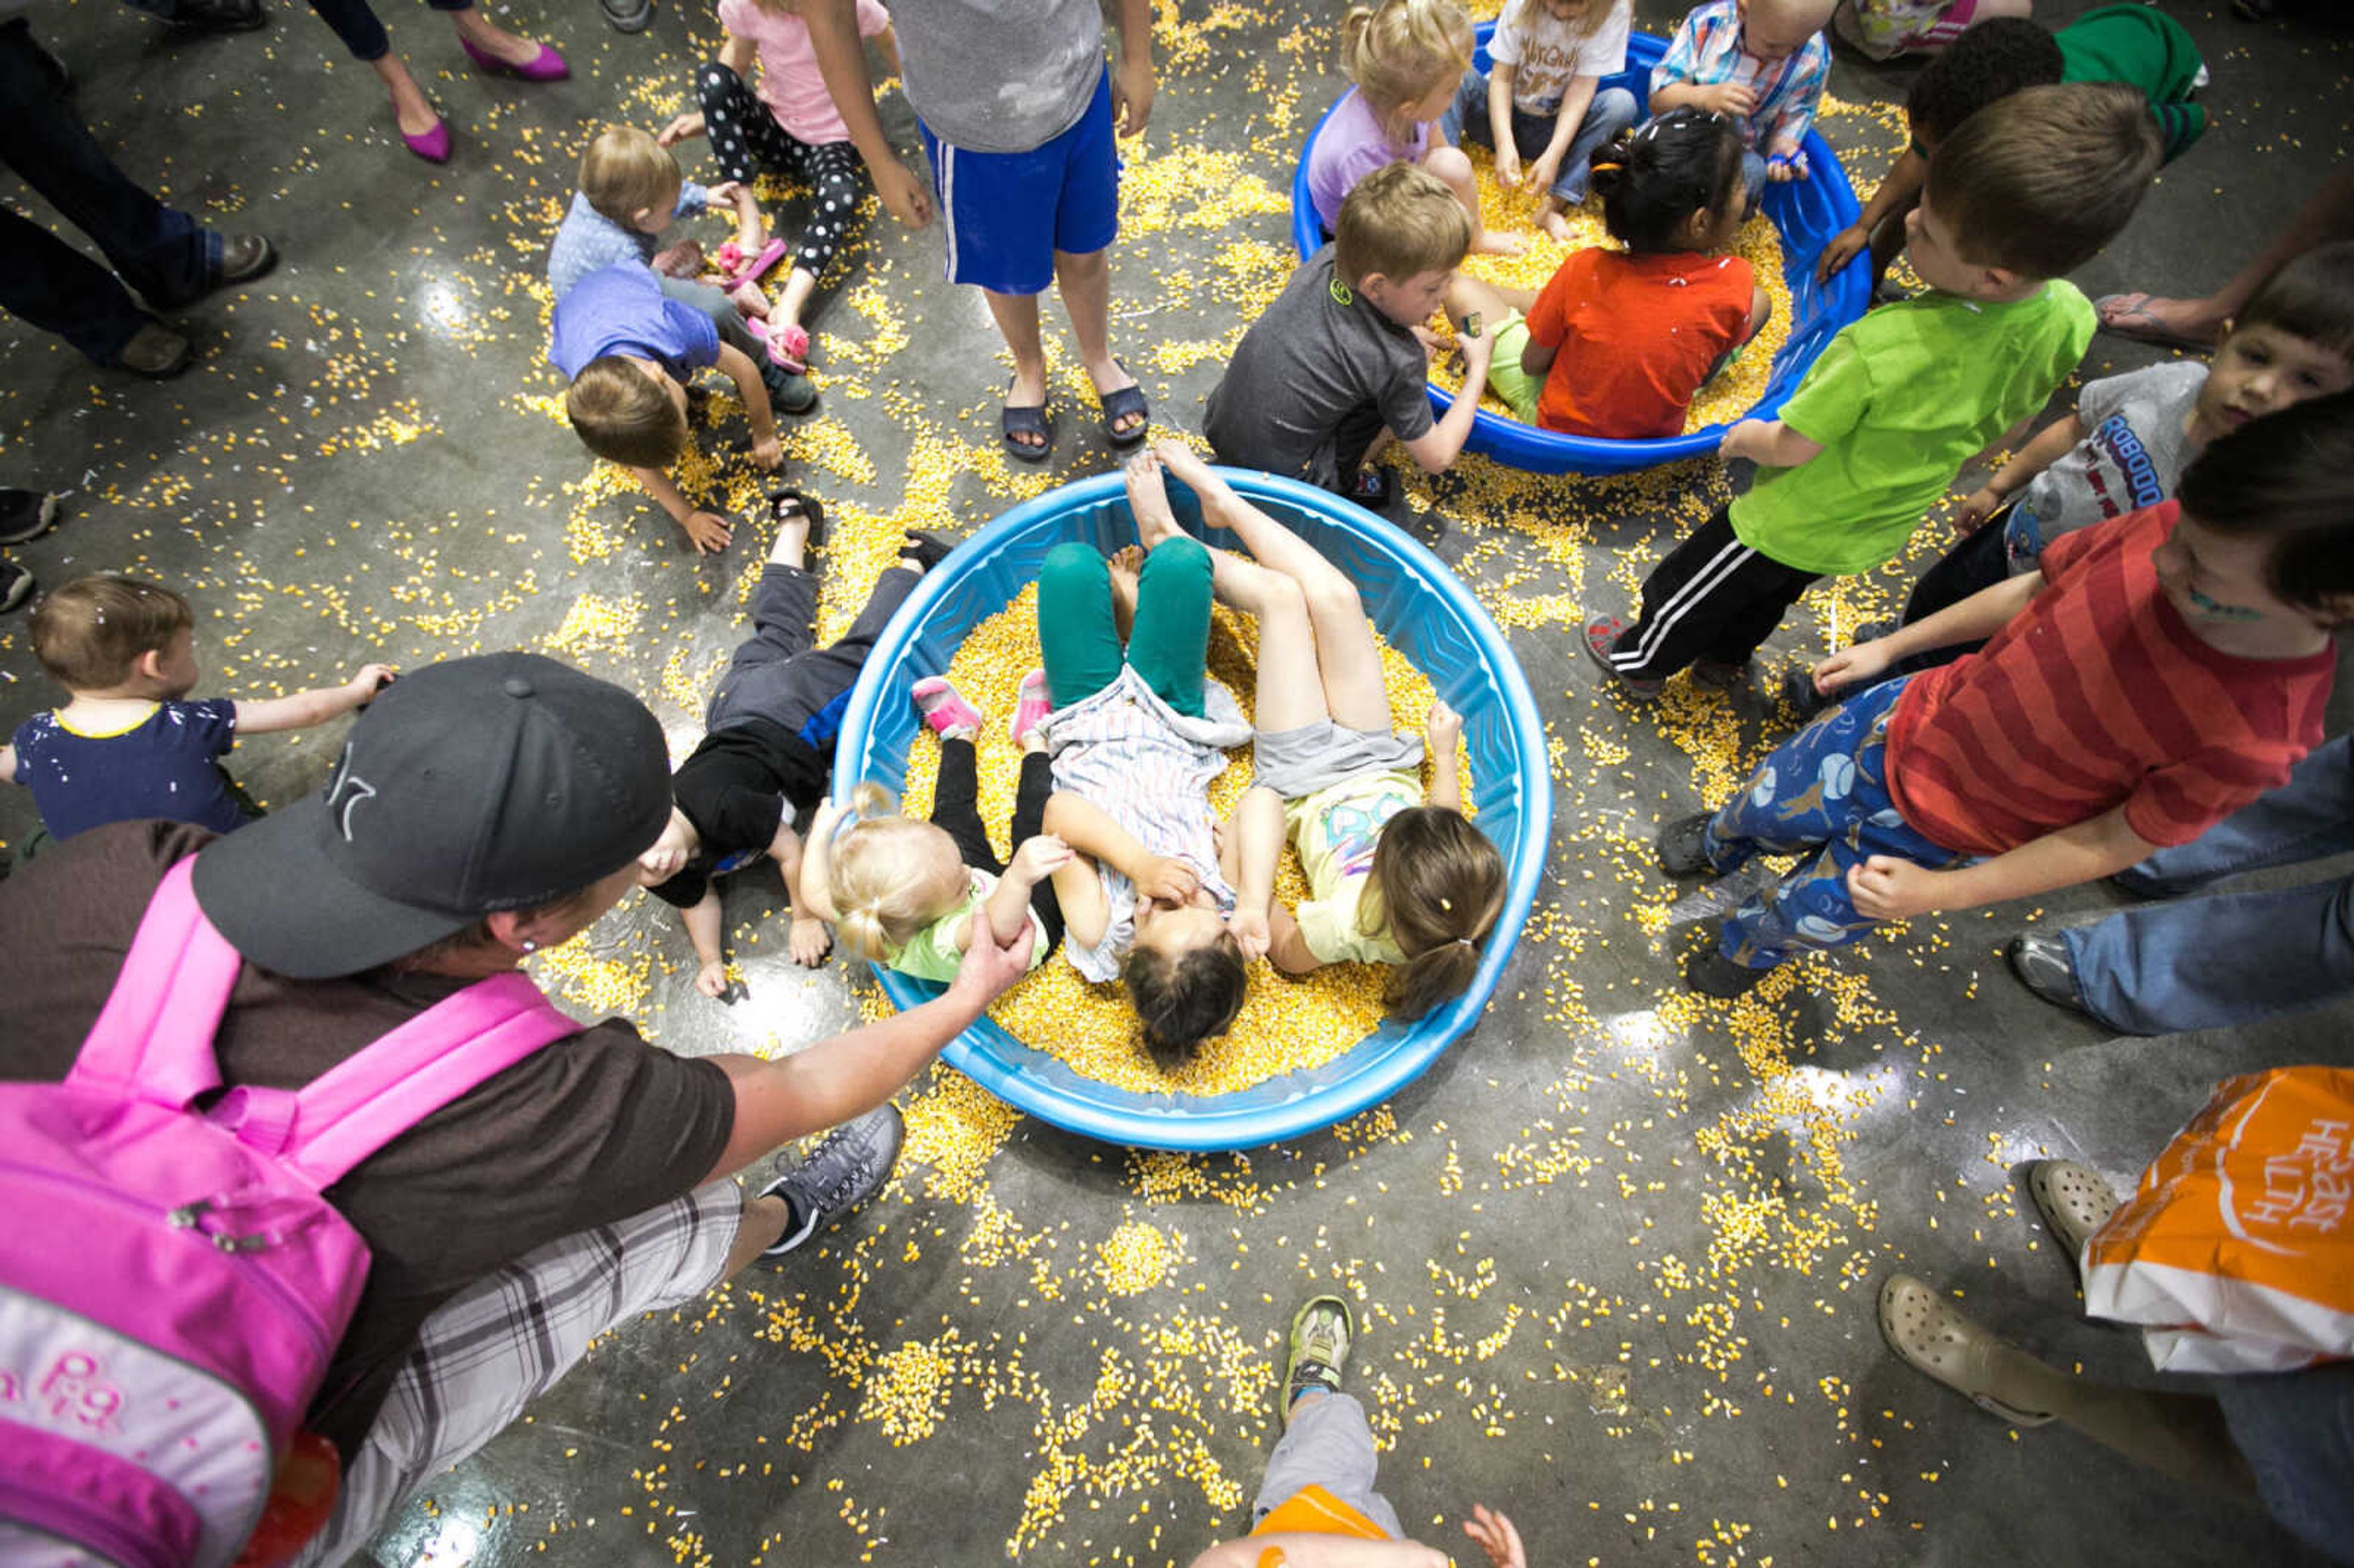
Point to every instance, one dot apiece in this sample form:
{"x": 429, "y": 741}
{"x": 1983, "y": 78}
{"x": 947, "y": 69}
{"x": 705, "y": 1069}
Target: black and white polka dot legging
{"x": 746, "y": 138}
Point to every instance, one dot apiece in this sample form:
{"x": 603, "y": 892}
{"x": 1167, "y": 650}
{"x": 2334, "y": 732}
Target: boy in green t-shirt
{"x": 1899, "y": 400}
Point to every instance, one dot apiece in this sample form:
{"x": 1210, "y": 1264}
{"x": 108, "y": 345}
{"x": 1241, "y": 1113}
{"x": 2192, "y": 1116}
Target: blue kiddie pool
{"x": 1805, "y": 212}
{"x": 1424, "y": 612}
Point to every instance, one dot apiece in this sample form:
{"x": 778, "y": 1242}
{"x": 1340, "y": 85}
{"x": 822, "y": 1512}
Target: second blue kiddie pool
{"x": 1423, "y": 612}
{"x": 1805, "y": 212}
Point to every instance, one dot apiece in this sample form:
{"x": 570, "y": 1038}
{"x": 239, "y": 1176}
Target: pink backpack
{"x": 172, "y": 1283}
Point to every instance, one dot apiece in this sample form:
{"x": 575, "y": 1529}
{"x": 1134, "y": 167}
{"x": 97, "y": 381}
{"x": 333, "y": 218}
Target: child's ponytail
{"x": 1437, "y": 886}
{"x": 891, "y": 877}
{"x": 1401, "y": 50}
{"x": 1653, "y": 178}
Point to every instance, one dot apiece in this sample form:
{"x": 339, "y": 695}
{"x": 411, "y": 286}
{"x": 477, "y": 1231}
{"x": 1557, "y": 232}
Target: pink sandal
{"x": 788, "y": 345}
{"x": 735, "y": 268}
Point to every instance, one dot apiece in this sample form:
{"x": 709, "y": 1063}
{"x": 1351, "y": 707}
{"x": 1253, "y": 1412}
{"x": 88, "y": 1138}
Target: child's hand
{"x": 1543, "y": 172}
{"x": 686, "y": 127}
{"x": 1250, "y": 933}
{"x": 708, "y": 531}
{"x": 1040, "y": 857}
{"x": 1477, "y": 352}
{"x": 1851, "y": 668}
{"x": 1887, "y": 888}
{"x": 1166, "y": 881}
{"x": 1976, "y": 506}
{"x": 711, "y": 980}
{"x": 1741, "y": 441}
{"x": 809, "y": 941}
{"x": 1727, "y": 98}
{"x": 904, "y": 194}
{"x": 1496, "y": 1536}
{"x": 1508, "y": 167}
{"x": 767, "y": 453}
{"x": 1442, "y": 730}
{"x": 727, "y": 192}
{"x": 372, "y": 679}
{"x": 1839, "y": 250}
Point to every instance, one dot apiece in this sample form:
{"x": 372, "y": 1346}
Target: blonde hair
{"x": 887, "y": 876}
{"x": 1400, "y": 221}
{"x": 626, "y": 172}
{"x": 1399, "y": 50}
{"x": 1436, "y": 887}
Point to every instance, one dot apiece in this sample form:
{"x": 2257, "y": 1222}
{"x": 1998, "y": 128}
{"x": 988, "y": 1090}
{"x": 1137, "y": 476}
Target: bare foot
{"x": 1501, "y": 242}
{"x": 1110, "y": 377}
{"x": 684, "y": 260}
{"x": 1187, "y": 468}
{"x": 1029, "y": 391}
{"x": 2159, "y": 320}
{"x": 1123, "y": 567}
{"x": 751, "y": 300}
{"x": 1147, "y": 498}
{"x": 1554, "y": 223}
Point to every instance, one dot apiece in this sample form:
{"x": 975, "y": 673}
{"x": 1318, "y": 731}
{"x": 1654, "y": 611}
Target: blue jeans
{"x": 1823, "y": 795}
{"x": 2207, "y": 962}
{"x": 356, "y": 25}
{"x": 164, "y": 254}
{"x": 1612, "y": 110}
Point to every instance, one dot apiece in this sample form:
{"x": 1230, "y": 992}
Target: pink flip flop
{"x": 2127, "y": 315}
{"x": 735, "y": 269}
{"x": 788, "y": 346}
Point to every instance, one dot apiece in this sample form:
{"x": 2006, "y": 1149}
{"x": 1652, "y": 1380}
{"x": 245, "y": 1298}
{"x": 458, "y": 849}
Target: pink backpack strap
{"x": 350, "y": 1112}
{"x": 153, "y": 1039}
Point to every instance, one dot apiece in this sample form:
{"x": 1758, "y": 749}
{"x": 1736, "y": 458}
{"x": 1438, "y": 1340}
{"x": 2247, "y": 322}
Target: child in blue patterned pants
{"x": 1823, "y": 794}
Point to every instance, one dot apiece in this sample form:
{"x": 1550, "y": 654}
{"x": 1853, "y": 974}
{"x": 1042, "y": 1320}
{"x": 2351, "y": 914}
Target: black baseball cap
{"x": 498, "y": 782}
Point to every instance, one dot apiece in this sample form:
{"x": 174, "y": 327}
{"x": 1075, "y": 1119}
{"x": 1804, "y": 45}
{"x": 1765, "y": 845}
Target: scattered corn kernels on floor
{"x": 1612, "y": 1259}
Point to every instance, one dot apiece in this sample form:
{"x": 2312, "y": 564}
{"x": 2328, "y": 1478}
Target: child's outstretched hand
{"x": 708, "y": 531}
{"x": 1886, "y": 888}
{"x": 1976, "y": 506}
{"x": 768, "y": 453}
{"x": 711, "y": 980}
{"x": 1839, "y": 250}
{"x": 1040, "y": 857}
{"x": 1851, "y": 668}
{"x": 1443, "y": 729}
{"x": 372, "y": 679}
{"x": 686, "y": 127}
{"x": 809, "y": 941}
{"x": 1496, "y": 1536}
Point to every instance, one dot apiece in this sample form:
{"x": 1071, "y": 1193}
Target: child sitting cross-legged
{"x": 128, "y": 745}
{"x": 2159, "y": 672}
{"x": 1618, "y": 342}
{"x": 791, "y": 124}
{"x": 1899, "y": 400}
{"x": 1543, "y": 97}
{"x": 628, "y": 352}
{"x": 1397, "y": 878}
{"x": 768, "y": 744}
{"x": 2125, "y": 445}
{"x": 1762, "y": 65}
{"x": 907, "y": 893}
{"x": 1334, "y": 368}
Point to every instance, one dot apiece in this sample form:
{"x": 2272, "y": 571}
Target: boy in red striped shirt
{"x": 2160, "y": 671}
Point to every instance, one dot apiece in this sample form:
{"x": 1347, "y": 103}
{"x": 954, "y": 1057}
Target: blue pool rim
{"x": 1807, "y": 212}
{"x": 1505, "y": 736}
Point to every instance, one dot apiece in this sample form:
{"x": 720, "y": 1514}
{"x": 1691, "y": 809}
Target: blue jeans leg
{"x": 1612, "y": 110}
{"x": 1753, "y": 176}
{"x": 1823, "y": 794}
{"x": 1468, "y": 115}
{"x": 164, "y": 254}
{"x": 2208, "y": 963}
{"x": 2310, "y": 816}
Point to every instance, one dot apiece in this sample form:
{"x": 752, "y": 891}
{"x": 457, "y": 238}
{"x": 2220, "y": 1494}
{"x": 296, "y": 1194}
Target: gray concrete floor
{"x": 1616, "y": 1254}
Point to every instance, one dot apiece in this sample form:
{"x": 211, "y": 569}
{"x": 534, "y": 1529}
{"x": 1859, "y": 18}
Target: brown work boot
{"x": 156, "y": 352}
{"x": 244, "y": 256}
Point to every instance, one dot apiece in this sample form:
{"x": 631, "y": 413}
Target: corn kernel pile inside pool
{"x": 1285, "y": 1024}
{"x": 1724, "y": 400}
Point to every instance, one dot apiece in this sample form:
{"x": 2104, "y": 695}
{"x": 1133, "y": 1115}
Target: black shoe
{"x": 1798, "y": 690}
{"x": 788, "y": 392}
{"x": 927, "y": 550}
{"x": 2043, "y": 967}
{"x": 845, "y": 1168}
{"x": 244, "y": 256}
{"x": 785, "y": 503}
{"x": 26, "y": 514}
{"x": 1716, "y": 673}
{"x": 1711, "y": 973}
{"x": 1683, "y": 845}
{"x": 220, "y": 16}
{"x": 1372, "y": 489}
{"x": 1871, "y": 632}
{"x": 17, "y": 586}
{"x": 628, "y": 16}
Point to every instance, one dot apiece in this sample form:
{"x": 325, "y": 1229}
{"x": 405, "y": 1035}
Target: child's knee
{"x": 1451, "y": 165}
{"x": 713, "y": 80}
{"x": 1330, "y": 595}
{"x": 1073, "y": 563}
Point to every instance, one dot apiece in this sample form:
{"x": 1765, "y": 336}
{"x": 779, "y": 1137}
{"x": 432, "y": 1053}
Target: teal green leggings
{"x": 1169, "y": 644}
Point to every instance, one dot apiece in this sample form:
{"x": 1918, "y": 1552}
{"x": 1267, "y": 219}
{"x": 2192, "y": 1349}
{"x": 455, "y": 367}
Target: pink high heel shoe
{"x": 433, "y": 145}
{"x": 545, "y": 66}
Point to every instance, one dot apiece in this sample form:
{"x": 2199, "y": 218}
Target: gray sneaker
{"x": 842, "y": 1172}
{"x": 1321, "y": 1333}
{"x": 628, "y": 16}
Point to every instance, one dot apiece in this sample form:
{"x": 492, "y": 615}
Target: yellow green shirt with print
{"x": 1335, "y": 830}
{"x": 1899, "y": 401}
{"x": 932, "y": 953}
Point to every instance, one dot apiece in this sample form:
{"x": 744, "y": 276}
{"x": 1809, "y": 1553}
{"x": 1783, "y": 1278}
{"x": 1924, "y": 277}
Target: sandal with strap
{"x": 1030, "y": 421}
{"x": 1117, "y": 406}
{"x": 2075, "y": 1201}
{"x": 2127, "y": 315}
{"x": 1934, "y": 1339}
{"x": 785, "y": 500}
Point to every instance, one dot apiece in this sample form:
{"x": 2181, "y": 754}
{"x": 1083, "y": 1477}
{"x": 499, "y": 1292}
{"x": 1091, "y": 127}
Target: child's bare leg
{"x": 1290, "y": 685}
{"x": 1451, "y": 165}
{"x": 796, "y": 297}
{"x": 792, "y": 548}
{"x": 1491, "y": 302}
{"x": 1353, "y": 690}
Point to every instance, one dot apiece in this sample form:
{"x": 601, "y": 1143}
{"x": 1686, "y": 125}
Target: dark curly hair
{"x": 1991, "y": 61}
{"x": 1183, "y": 999}
{"x": 1652, "y": 179}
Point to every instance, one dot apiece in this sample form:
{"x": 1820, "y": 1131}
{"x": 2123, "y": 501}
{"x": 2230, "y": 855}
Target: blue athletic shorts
{"x": 1007, "y": 213}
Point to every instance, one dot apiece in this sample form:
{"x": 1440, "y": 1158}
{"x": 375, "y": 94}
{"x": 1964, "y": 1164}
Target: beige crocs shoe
{"x": 1928, "y": 1335}
{"x": 2075, "y": 1201}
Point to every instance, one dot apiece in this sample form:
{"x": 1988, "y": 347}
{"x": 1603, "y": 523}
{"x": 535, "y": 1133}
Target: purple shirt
{"x": 622, "y": 310}
{"x": 1351, "y": 145}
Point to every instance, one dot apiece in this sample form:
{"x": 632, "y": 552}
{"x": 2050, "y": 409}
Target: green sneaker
{"x": 1320, "y": 1334}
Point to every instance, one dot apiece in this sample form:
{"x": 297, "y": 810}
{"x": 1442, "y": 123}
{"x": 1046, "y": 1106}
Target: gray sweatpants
{"x": 1329, "y": 1446}
{"x": 722, "y": 310}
